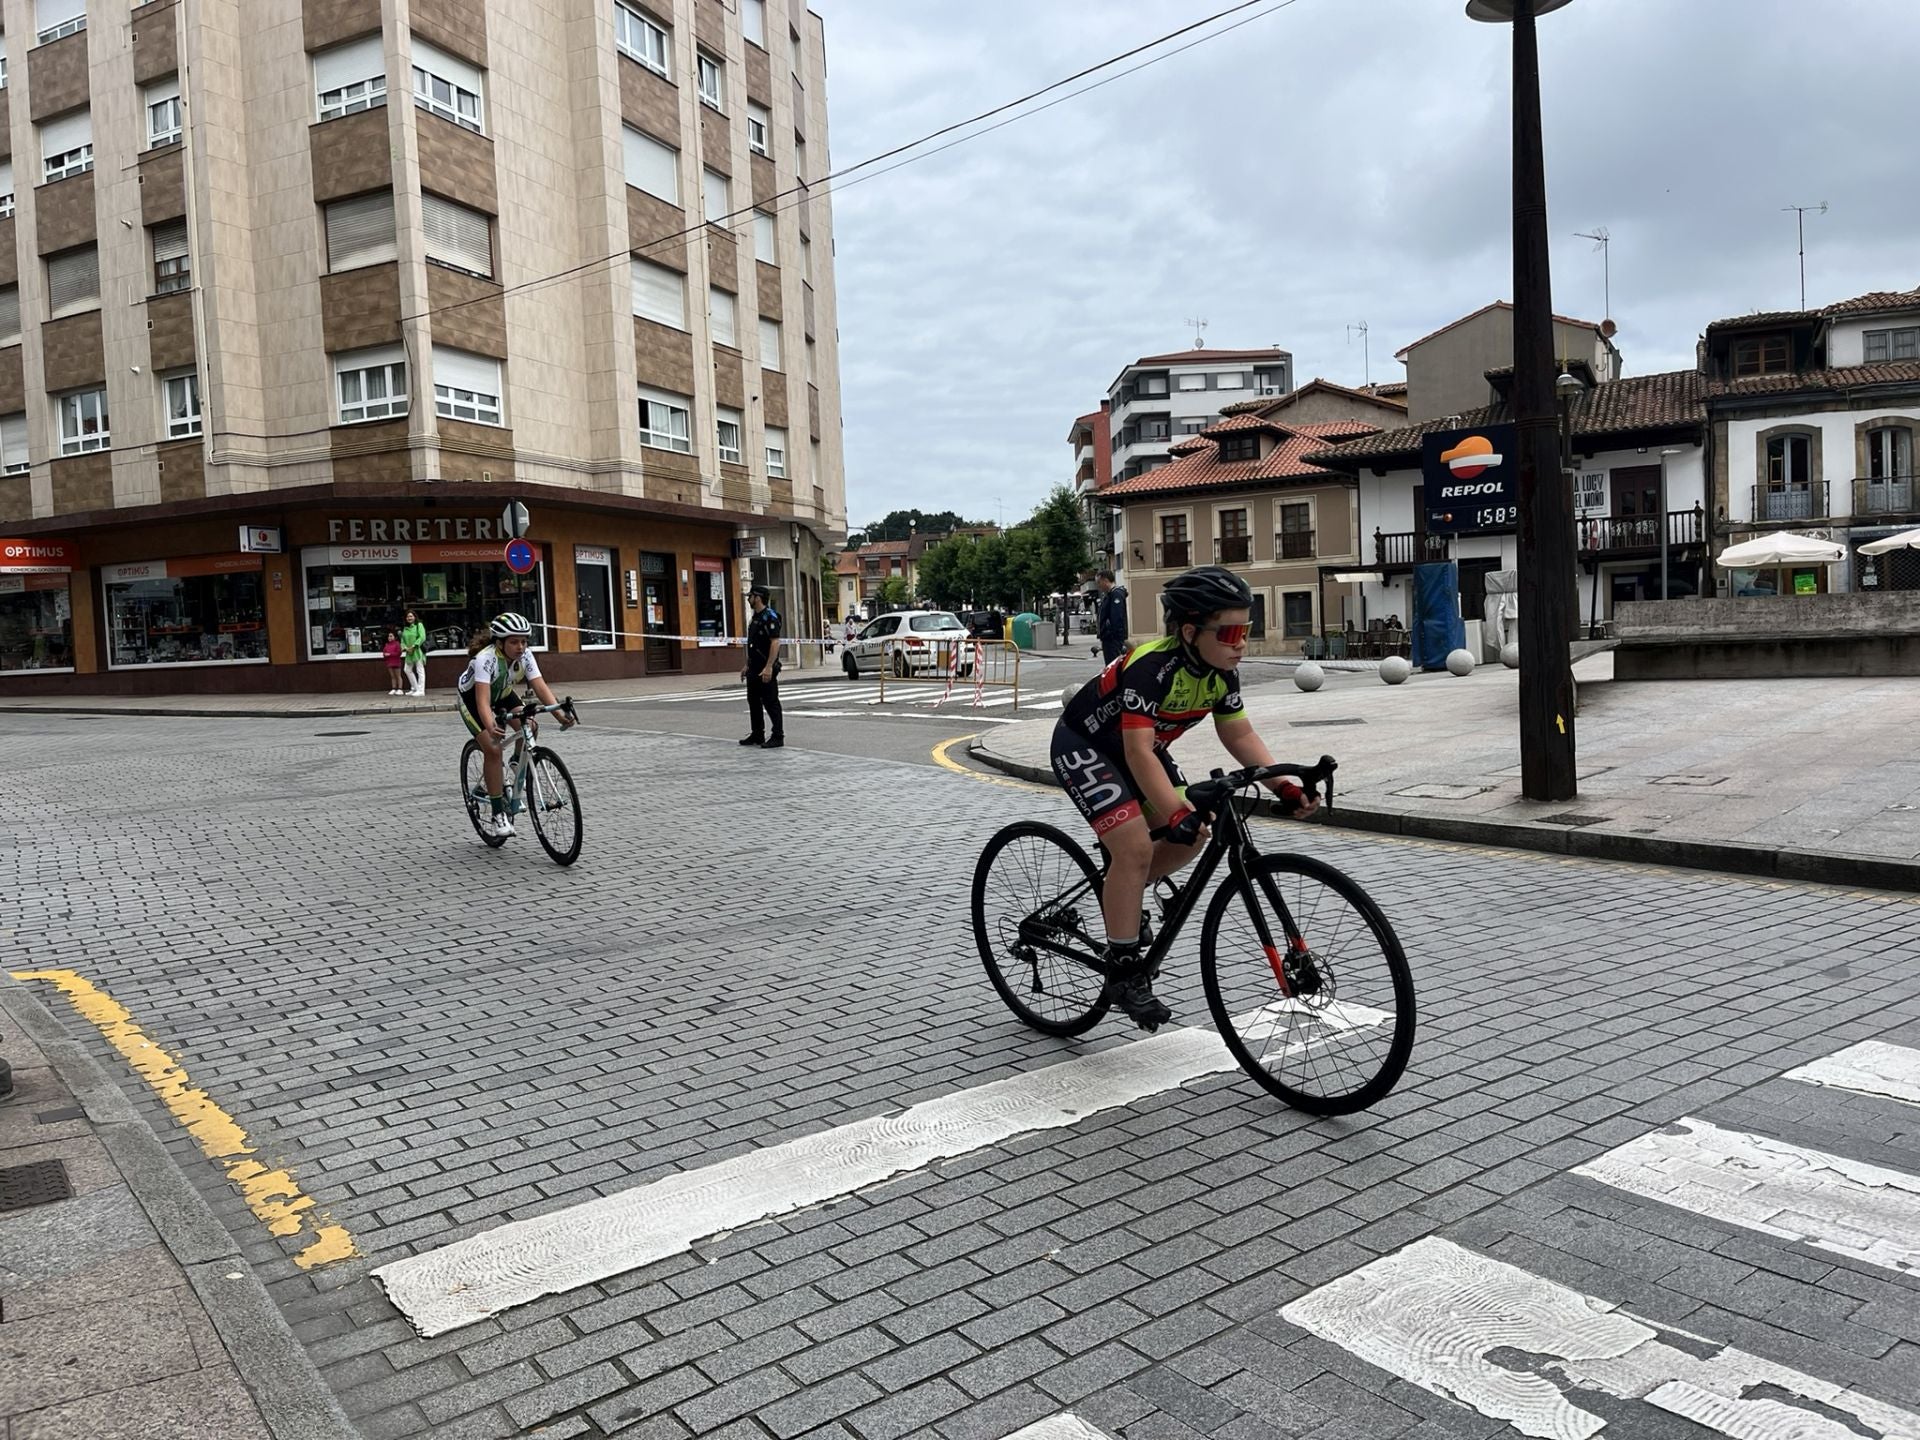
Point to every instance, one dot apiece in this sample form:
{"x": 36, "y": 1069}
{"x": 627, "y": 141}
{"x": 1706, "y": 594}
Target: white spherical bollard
{"x": 1395, "y": 669}
{"x": 1460, "y": 662}
{"x": 1067, "y": 692}
{"x": 1510, "y": 654}
{"x": 1309, "y": 677}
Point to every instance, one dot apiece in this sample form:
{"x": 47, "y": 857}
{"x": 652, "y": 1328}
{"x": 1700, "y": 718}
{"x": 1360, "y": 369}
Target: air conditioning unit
{"x": 1270, "y": 390}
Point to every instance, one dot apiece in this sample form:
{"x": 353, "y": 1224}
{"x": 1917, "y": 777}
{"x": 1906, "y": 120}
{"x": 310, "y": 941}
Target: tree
{"x": 893, "y": 593}
{"x": 1066, "y": 548}
{"x": 943, "y": 573}
{"x": 900, "y": 524}
{"x": 829, "y": 585}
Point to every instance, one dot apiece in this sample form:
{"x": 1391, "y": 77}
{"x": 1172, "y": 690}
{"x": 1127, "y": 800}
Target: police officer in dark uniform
{"x": 762, "y": 673}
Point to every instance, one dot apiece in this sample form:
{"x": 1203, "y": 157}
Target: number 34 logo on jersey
{"x": 1089, "y": 776}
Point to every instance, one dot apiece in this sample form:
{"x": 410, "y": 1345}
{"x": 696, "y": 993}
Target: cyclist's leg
{"x": 1106, "y": 797}
{"x": 1169, "y": 856}
{"x": 490, "y": 766}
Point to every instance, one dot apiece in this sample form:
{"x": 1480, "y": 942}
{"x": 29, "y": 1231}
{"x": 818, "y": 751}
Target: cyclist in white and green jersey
{"x": 487, "y": 693}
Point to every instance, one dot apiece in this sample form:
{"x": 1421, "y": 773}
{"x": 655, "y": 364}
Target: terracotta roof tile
{"x": 1200, "y": 467}
{"x": 1203, "y": 355}
{"x": 1874, "y": 301}
{"x": 1763, "y": 317}
{"x": 1843, "y": 377}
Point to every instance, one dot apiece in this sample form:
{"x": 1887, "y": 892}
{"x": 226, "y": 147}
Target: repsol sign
{"x": 379, "y": 530}
{"x": 1472, "y": 480}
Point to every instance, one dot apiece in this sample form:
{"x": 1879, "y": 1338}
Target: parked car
{"x": 984, "y": 624}
{"x": 907, "y": 640}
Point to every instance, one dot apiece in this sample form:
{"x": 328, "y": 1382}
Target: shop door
{"x": 659, "y": 614}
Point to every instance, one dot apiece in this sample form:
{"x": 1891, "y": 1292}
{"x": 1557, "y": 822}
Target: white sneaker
{"x": 499, "y": 825}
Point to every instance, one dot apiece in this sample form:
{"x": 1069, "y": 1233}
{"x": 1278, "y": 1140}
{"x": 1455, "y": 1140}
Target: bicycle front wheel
{"x": 555, "y": 807}
{"x": 1034, "y": 888}
{"x": 1341, "y": 1039}
{"x": 473, "y": 790}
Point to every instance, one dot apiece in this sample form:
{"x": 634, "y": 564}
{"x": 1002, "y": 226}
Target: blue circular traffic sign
{"x": 520, "y": 557}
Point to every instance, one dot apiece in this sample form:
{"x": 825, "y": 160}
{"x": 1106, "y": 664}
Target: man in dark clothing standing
{"x": 1110, "y": 616}
{"x": 763, "y": 671}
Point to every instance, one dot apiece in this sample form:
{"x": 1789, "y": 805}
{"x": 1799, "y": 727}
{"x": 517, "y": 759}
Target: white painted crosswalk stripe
{"x": 1864, "y": 1211}
{"x": 1872, "y": 1067}
{"x": 1522, "y": 1349}
{"x": 459, "y": 1284}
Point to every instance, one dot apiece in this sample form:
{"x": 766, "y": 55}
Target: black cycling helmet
{"x": 1202, "y": 591}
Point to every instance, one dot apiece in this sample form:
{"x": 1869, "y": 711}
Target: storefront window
{"x": 200, "y": 610}
{"x": 356, "y": 593}
{"x": 773, "y": 575}
{"x": 593, "y": 587}
{"x": 710, "y": 601}
{"x": 36, "y": 622}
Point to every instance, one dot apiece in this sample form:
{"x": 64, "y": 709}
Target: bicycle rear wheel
{"x": 1033, "y": 883}
{"x": 555, "y": 807}
{"x": 1341, "y": 1040}
{"x": 473, "y": 790}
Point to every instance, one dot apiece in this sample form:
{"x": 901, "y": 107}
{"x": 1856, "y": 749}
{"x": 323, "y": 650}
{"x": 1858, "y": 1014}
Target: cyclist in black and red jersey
{"x": 1110, "y": 753}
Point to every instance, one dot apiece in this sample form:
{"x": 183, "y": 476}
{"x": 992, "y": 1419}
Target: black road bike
{"x": 1305, "y": 978}
{"x": 536, "y": 783}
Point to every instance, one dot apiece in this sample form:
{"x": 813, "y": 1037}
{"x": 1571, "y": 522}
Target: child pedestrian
{"x": 391, "y": 650}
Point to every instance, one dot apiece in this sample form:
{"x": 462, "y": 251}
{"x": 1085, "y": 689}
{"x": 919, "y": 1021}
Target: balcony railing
{"x": 1173, "y": 554}
{"x": 1617, "y": 534}
{"x": 1407, "y": 547}
{"x": 1803, "y": 501}
{"x": 1233, "y": 549}
{"x": 1294, "y": 544}
{"x": 1883, "y": 495}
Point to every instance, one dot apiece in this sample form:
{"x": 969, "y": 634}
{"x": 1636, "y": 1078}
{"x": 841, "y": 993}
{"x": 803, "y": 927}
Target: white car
{"x": 909, "y": 640}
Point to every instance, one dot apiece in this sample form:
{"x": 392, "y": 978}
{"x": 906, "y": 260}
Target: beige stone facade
{"x": 262, "y": 163}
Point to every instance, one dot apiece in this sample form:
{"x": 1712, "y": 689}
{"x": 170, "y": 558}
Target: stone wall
{"x": 1755, "y": 637}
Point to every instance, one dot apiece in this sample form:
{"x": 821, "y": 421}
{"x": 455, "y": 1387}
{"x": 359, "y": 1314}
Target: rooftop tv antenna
{"x": 1601, "y": 241}
{"x": 1366, "y": 355}
{"x": 1198, "y": 326}
{"x": 1800, "y": 224}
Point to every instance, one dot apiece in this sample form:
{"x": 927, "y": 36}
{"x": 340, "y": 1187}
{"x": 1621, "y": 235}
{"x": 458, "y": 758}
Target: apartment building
{"x": 297, "y": 295}
{"x": 1161, "y": 399}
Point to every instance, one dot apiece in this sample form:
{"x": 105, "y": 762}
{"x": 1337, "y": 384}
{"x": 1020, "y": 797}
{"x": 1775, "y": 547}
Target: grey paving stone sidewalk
{"x": 125, "y": 1309}
{"x": 1814, "y": 778}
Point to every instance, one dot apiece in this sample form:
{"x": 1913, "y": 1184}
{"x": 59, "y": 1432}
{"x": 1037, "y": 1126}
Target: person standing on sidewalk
{"x": 762, "y": 673}
{"x": 390, "y": 652}
{"x": 413, "y": 647}
{"x": 1110, "y": 616}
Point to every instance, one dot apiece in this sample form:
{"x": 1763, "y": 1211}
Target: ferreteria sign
{"x": 1472, "y": 480}
{"x": 379, "y": 530}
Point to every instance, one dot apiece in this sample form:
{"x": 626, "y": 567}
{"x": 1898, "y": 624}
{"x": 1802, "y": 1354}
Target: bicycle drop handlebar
{"x": 1209, "y": 795}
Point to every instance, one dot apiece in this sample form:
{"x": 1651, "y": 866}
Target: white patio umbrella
{"x": 1905, "y": 540}
{"x": 1783, "y": 547}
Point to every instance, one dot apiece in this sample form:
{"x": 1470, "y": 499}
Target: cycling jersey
{"x": 1151, "y": 687}
{"x": 489, "y": 668}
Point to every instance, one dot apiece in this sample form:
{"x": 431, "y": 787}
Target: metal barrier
{"x": 965, "y": 665}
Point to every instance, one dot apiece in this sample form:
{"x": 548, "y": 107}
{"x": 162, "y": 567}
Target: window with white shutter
{"x": 666, "y": 420}
{"x": 759, "y": 123}
{"x": 659, "y": 294}
{"x": 66, "y": 145}
{"x": 164, "y": 117}
{"x": 765, "y": 238}
{"x": 716, "y": 193}
{"x": 172, "y": 262}
{"x": 9, "y": 314}
{"x": 6, "y": 188}
{"x": 360, "y": 232}
{"x": 641, "y": 38}
{"x": 727, "y": 426}
{"x": 720, "y": 316}
{"x": 457, "y": 236}
{"x": 769, "y": 344}
{"x": 753, "y": 21}
{"x": 776, "y": 453}
{"x": 465, "y": 386}
{"x": 13, "y": 443}
{"x": 447, "y": 86}
{"x": 56, "y": 18}
{"x": 350, "y": 78}
{"x": 73, "y": 281}
{"x": 371, "y": 384}
{"x": 651, "y": 166}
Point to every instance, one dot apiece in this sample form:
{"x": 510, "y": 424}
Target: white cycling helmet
{"x": 505, "y": 627}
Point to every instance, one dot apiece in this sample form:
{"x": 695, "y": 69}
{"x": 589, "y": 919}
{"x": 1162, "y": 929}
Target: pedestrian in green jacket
{"x": 413, "y": 649}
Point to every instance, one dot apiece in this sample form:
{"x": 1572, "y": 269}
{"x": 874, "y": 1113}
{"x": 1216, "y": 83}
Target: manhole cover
{"x": 1305, "y": 724}
{"x": 1571, "y": 818}
{"x": 1443, "y": 792}
{"x": 334, "y": 734}
{"x": 1691, "y": 780}
{"x": 41, "y": 1183}
{"x": 55, "y": 1117}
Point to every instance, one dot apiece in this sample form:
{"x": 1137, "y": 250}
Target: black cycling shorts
{"x": 1101, "y": 785}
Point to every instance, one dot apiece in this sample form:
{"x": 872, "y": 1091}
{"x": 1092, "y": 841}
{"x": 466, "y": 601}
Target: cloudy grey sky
{"x": 1333, "y": 161}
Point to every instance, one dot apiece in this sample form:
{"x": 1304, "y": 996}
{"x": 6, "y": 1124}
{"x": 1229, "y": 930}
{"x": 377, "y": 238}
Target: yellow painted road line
{"x": 942, "y": 758}
{"x": 272, "y": 1195}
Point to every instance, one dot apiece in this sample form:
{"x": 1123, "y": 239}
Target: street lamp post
{"x": 1546, "y": 500}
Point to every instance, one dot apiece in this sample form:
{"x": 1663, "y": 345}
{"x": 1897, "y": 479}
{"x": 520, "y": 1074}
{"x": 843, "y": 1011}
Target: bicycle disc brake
{"x": 1306, "y": 975}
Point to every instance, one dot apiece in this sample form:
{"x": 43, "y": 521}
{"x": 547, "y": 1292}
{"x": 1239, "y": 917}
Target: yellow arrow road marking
{"x": 272, "y": 1195}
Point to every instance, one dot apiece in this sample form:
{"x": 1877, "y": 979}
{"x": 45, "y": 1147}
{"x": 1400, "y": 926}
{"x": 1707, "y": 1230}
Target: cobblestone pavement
{"x": 435, "y": 1039}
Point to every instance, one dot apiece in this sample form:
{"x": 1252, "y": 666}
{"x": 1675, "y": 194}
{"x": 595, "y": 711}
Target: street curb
{"x": 1725, "y": 856}
{"x": 293, "y": 1400}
